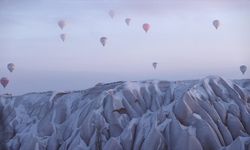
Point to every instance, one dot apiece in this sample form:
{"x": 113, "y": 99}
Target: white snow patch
{"x": 197, "y": 116}
{"x": 53, "y": 95}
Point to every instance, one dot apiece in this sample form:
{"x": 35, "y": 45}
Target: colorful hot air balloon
{"x": 216, "y": 24}
{"x": 146, "y": 27}
{"x": 62, "y": 24}
{"x": 4, "y": 81}
{"x": 155, "y": 64}
{"x": 11, "y": 67}
{"x": 103, "y": 40}
{"x": 112, "y": 13}
{"x": 63, "y": 36}
{"x": 243, "y": 68}
{"x": 128, "y": 21}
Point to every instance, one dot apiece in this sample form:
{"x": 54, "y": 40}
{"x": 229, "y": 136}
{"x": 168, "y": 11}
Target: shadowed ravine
{"x": 210, "y": 114}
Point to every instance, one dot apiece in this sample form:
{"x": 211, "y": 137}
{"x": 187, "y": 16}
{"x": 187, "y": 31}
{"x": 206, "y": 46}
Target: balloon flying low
{"x": 63, "y": 36}
{"x": 112, "y": 13}
{"x": 155, "y": 64}
{"x": 62, "y": 24}
{"x": 146, "y": 27}
{"x": 243, "y": 68}
{"x": 11, "y": 67}
{"x": 128, "y": 21}
{"x": 103, "y": 40}
{"x": 4, "y": 81}
{"x": 216, "y": 23}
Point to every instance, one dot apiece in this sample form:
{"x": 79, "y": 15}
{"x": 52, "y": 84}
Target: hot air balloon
{"x": 216, "y": 24}
{"x": 243, "y": 68}
{"x": 146, "y": 27}
{"x": 103, "y": 40}
{"x": 63, "y": 36}
{"x": 128, "y": 21}
{"x": 155, "y": 64}
{"x": 112, "y": 13}
{"x": 4, "y": 81}
{"x": 62, "y": 24}
{"x": 11, "y": 67}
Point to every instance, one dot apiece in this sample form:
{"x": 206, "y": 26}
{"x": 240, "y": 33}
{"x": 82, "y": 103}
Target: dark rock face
{"x": 209, "y": 114}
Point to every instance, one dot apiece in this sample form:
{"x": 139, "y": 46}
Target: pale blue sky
{"x": 181, "y": 39}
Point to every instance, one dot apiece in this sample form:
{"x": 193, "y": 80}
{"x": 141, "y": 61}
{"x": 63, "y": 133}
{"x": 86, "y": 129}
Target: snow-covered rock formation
{"x": 209, "y": 114}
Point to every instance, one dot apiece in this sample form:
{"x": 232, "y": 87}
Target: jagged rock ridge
{"x": 209, "y": 114}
